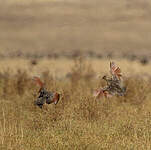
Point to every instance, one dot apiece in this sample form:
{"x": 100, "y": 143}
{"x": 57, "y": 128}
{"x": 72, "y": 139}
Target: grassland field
{"x": 78, "y": 121}
{"x": 69, "y": 44}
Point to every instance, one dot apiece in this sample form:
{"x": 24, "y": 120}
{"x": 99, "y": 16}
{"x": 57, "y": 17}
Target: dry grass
{"x": 54, "y": 28}
{"x": 78, "y": 121}
{"x": 61, "y": 67}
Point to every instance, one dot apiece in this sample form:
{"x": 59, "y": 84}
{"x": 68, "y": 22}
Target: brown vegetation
{"x": 37, "y": 37}
{"x": 78, "y": 121}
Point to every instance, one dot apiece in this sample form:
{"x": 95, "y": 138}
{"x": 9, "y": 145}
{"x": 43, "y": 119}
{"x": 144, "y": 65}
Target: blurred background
{"x": 64, "y": 27}
{"x": 70, "y": 28}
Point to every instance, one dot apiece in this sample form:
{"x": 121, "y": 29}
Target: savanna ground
{"x": 78, "y": 121}
{"x": 69, "y": 45}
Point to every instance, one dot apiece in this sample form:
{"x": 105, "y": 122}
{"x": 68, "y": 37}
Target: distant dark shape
{"x": 144, "y": 61}
{"x": 76, "y": 54}
{"x": 110, "y": 55}
{"x": 19, "y": 54}
{"x": 55, "y": 55}
{"x": 99, "y": 56}
{"x": 50, "y": 56}
{"x": 45, "y": 97}
{"x": 34, "y": 62}
{"x": 90, "y": 53}
{"x": 68, "y": 75}
{"x": 132, "y": 57}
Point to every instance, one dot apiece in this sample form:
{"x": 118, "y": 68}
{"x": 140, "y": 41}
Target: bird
{"x": 114, "y": 85}
{"x": 45, "y": 96}
{"x": 115, "y": 71}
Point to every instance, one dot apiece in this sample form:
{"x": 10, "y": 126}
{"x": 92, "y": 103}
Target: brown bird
{"x": 45, "y": 96}
{"x": 114, "y": 84}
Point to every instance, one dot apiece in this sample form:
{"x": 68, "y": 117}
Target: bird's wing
{"x": 99, "y": 93}
{"x": 53, "y": 98}
{"x": 38, "y": 81}
{"x": 56, "y": 98}
{"x": 115, "y": 71}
